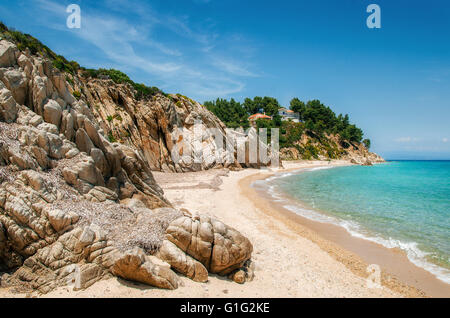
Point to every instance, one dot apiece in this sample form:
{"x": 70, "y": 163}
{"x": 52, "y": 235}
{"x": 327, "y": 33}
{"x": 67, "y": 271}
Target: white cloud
{"x": 445, "y": 140}
{"x": 232, "y": 67}
{"x": 407, "y": 139}
{"x": 118, "y": 38}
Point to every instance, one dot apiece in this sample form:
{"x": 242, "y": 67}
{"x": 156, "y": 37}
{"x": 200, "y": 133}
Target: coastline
{"x": 291, "y": 259}
{"x": 397, "y": 271}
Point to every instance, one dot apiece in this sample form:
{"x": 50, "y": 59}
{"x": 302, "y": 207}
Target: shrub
{"x": 77, "y": 94}
{"x": 118, "y": 77}
{"x": 111, "y": 137}
{"x": 68, "y": 79}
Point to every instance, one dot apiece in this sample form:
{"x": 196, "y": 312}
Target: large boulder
{"x": 136, "y": 266}
{"x": 52, "y": 112}
{"x": 182, "y": 262}
{"x": 220, "y": 248}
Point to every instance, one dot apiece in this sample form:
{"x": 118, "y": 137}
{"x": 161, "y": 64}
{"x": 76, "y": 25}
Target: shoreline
{"x": 398, "y": 273}
{"x": 288, "y": 263}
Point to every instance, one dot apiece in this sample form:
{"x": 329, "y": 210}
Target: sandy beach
{"x": 292, "y": 258}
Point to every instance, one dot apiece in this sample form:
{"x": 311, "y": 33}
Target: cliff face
{"x": 330, "y": 147}
{"x": 78, "y": 201}
{"x": 152, "y": 126}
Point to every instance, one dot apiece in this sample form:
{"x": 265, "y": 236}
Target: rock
{"x": 89, "y": 173}
{"x": 72, "y": 153}
{"x": 16, "y": 82}
{"x": 68, "y": 129}
{"x": 238, "y": 276}
{"x": 83, "y": 141}
{"x": 133, "y": 265}
{"x": 100, "y": 161}
{"x": 182, "y": 262}
{"x": 289, "y": 154}
{"x": 93, "y": 133}
{"x": 220, "y": 248}
{"x": 7, "y": 54}
{"x": 8, "y": 108}
{"x": 102, "y": 194}
{"x": 52, "y": 113}
{"x": 61, "y": 220}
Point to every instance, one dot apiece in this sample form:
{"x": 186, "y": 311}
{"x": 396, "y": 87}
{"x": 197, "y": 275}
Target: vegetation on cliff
{"x": 318, "y": 123}
{"x": 24, "y": 41}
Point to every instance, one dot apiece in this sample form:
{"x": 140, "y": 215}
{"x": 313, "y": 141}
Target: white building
{"x": 287, "y": 114}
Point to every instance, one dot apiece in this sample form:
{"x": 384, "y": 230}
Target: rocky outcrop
{"x": 330, "y": 147}
{"x": 161, "y": 128}
{"x": 78, "y": 203}
{"x": 218, "y": 247}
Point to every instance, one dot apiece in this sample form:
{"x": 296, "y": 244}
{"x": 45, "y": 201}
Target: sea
{"x": 402, "y": 204}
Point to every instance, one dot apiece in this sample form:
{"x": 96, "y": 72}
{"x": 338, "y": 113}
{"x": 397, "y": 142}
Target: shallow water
{"x": 403, "y": 204}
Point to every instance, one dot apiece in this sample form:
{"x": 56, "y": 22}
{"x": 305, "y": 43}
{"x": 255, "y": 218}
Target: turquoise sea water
{"x": 402, "y": 204}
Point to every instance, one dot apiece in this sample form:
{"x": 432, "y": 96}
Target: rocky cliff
{"x": 152, "y": 125}
{"x": 329, "y": 147}
{"x": 78, "y": 201}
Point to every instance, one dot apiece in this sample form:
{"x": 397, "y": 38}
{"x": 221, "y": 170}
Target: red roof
{"x": 259, "y": 116}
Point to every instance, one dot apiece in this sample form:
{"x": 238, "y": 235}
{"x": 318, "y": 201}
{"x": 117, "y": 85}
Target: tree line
{"x": 315, "y": 117}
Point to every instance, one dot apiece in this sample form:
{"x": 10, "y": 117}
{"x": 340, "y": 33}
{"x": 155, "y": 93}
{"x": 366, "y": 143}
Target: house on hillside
{"x": 287, "y": 114}
{"x": 253, "y": 118}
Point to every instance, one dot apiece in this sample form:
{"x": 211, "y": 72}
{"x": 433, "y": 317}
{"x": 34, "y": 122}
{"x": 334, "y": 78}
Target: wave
{"x": 413, "y": 252}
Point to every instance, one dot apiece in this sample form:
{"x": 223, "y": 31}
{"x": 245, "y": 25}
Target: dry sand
{"x": 291, "y": 260}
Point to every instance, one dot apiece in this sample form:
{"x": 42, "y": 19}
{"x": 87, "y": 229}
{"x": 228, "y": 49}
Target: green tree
{"x": 258, "y": 104}
{"x": 251, "y": 106}
{"x": 296, "y": 105}
{"x": 231, "y": 112}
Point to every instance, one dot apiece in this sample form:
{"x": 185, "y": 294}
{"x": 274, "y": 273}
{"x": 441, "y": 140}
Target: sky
{"x": 394, "y": 82}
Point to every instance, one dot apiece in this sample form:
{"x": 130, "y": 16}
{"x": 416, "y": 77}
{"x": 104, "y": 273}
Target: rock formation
{"x": 78, "y": 201}
{"x": 356, "y": 153}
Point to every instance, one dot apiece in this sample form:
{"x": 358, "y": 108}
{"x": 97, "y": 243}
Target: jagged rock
{"x": 220, "y": 248}
{"x": 16, "y": 82}
{"x": 61, "y": 179}
{"x": 7, "y": 54}
{"x": 83, "y": 141}
{"x": 182, "y": 262}
{"x": 83, "y": 175}
{"x": 52, "y": 113}
{"x": 289, "y": 154}
{"x": 8, "y": 109}
{"x": 100, "y": 161}
{"x": 134, "y": 265}
{"x": 101, "y": 194}
{"x": 60, "y": 220}
{"x": 60, "y": 263}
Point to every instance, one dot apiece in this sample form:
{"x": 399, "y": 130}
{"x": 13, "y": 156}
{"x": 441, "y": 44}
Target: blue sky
{"x": 394, "y": 82}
